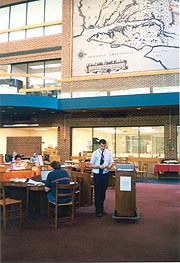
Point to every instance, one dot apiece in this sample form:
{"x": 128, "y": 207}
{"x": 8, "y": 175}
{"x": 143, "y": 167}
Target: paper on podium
{"x": 125, "y": 183}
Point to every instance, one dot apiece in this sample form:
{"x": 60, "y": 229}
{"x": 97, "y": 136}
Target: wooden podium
{"x": 125, "y": 192}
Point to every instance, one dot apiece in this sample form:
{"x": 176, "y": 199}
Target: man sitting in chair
{"x": 57, "y": 175}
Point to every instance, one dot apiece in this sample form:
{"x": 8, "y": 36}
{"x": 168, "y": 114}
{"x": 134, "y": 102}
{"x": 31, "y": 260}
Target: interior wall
{"x": 49, "y": 138}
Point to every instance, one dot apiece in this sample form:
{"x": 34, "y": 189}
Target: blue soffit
{"x": 28, "y": 101}
{"x": 126, "y": 101}
{"x": 105, "y": 102}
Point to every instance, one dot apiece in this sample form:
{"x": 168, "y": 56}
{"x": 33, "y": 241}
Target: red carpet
{"x": 155, "y": 238}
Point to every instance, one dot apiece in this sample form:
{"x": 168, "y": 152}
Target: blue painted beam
{"x": 13, "y": 100}
{"x": 106, "y": 102}
{"x": 139, "y": 100}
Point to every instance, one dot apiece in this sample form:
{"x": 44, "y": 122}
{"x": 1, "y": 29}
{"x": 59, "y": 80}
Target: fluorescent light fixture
{"x": 20, "y": 125}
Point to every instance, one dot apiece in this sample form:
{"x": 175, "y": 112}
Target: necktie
{"x": 101, "y": 162}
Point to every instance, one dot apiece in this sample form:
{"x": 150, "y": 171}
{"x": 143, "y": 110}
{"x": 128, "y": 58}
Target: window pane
{"x": 85, "y": 144}
{"x": 17, "y": 35}
{"x": 52, "y": 71}
{"x": 53, "y": 10}
{"x": 51, "y": 30}
{"x": 18, "y": 16}
{"x": 20, "y": 69}
{"x": 104, "y": 133}
{"x": 4, "y": 16}
{"x": 36, "y": 32}
{"x": 126, "y": 142}
{"x": 4, "y": 37}
{"x": 36, "y": 68}
{"x": 17, "y": 19}
{"x": 35, "y": 13}
{"x": 5, "y": 69}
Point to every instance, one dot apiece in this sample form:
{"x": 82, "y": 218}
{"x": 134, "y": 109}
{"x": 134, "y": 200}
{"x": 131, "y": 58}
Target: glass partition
{"x": 81, "y": 140}
{"x": 121, "y": 141}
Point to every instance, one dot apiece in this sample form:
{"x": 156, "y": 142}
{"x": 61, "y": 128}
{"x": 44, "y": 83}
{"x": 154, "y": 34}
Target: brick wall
{"x": 14, "y": 52}
{"x": 25, "y": 145}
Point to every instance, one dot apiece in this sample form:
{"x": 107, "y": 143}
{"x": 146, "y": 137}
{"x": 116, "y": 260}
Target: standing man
{"x": 101, "y": 161}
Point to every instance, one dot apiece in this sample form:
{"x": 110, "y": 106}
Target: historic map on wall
{"x": 114, "y": 36}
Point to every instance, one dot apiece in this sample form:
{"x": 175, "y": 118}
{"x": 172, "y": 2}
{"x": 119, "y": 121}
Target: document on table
{"x": 21, "y": 180}
{"x": 125, "y": 183}
{"x": 32, "y": 182}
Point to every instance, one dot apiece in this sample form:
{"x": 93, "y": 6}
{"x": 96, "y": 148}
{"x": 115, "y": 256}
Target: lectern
{"x": 125, "y": 192}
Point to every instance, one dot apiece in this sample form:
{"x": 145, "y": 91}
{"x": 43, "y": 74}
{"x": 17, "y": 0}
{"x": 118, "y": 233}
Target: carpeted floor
{"x": 155, "y": 238}
{"x": 159, "y": 181}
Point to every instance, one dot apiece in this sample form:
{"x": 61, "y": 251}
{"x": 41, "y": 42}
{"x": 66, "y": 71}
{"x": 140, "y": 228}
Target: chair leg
{"x": 4, "y": 216}
{"x": 73, "y": 211}
{"x": 56, "y": 216}
{"x": 21, "y": 212}
{"x": 48, "y": 213}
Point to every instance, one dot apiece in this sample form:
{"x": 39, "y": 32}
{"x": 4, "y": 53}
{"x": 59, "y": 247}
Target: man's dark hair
{"x": 55, "y": 165}
{"x": 102, "y": 141}
{"x": 17, "y": 156}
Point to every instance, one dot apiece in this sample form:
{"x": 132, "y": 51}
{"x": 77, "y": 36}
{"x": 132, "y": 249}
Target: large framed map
{"x": 114, "y": 36}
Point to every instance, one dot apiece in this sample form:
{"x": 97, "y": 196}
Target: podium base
{"x": 134, "y": 218}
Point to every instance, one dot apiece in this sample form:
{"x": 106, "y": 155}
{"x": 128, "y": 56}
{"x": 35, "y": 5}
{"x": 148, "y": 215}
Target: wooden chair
{"x": 12, "y": 208}
{"x": 53, "y": 206}
{"x": 143, "y": 172}
{"x": 76, "y": 177}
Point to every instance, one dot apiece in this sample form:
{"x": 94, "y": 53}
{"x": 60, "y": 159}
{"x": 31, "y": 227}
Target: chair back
{"x": 65, "y": 191}
{"x": 145, "y": 167}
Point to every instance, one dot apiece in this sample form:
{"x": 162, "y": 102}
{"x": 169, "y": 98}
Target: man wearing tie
{"x": 101, "y": 162}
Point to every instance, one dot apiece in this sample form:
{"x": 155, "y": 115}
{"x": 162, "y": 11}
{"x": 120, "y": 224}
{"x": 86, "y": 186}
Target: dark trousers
{"x": 100, "y": 186}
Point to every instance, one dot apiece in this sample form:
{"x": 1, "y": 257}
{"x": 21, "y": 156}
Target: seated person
{"x": 57, "y": 175}
{"x": 34, "y": 158}
{"x": 18, "y": 164}
{"x": 13, "y": 156}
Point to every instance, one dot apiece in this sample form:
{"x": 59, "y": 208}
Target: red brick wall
{"x": 24, "y": 145}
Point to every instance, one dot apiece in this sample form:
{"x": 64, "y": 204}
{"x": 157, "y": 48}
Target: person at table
{"x": 34, "y": 158}
{"x": 18, "y": 163}
{"x": 101, "y": 161}
{"x": 57, "y": 175}
{"x": 13, "y": 156}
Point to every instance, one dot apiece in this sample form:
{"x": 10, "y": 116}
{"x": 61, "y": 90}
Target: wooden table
{"x": 163, "y": 168}
{"x": 27, "y": 194}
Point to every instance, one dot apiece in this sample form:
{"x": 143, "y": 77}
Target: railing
{"x": 56, "y": 86}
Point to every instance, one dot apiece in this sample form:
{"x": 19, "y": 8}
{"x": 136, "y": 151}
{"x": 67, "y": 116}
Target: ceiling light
{"x": 20, "y": 125}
